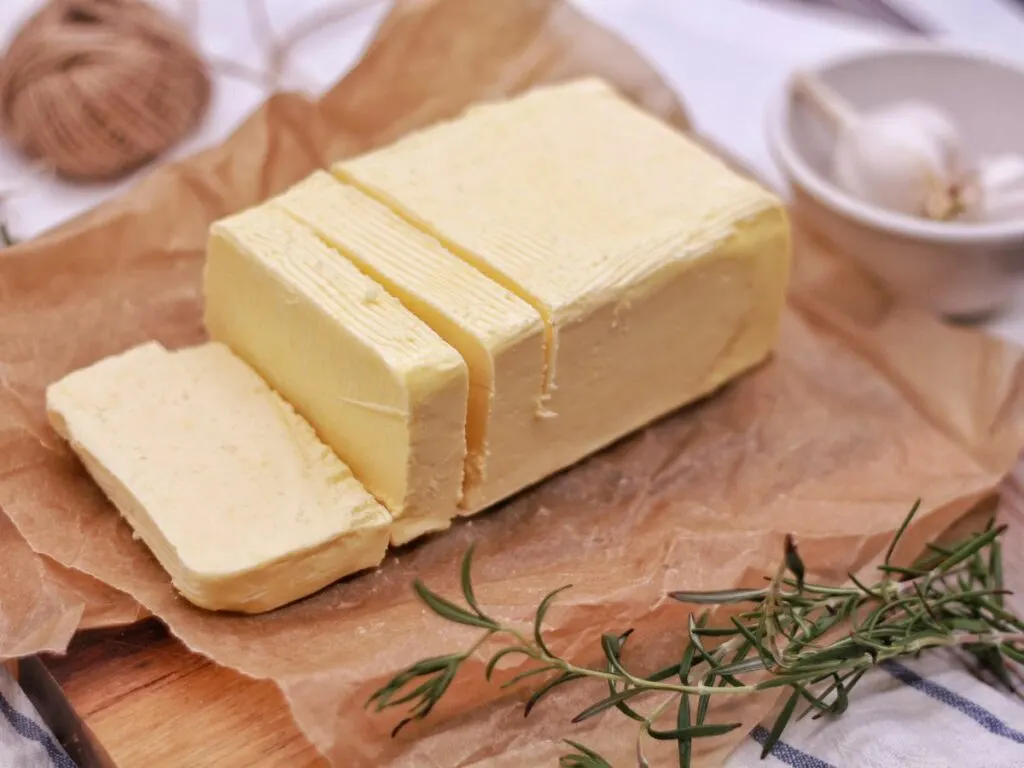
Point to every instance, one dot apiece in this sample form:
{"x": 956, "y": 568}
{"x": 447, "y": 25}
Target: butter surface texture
{"x": 499, "y": 335}
{"x": 660, "y": 273}
{"x": 230, "y": 489}
{"x": 384, "y": 391}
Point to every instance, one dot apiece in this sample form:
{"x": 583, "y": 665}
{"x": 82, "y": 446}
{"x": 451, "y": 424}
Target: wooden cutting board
{"x": 150, "y": 702}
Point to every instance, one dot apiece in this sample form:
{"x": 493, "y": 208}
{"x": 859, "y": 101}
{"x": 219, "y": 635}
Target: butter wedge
{"x": 228, "y": 487}
{"x": 385, "y": 392}
{"x": 659, "y": 272}
{"x": 499, "y": 335}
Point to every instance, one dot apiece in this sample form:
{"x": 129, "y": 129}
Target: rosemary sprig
{"x": 815, "y": 640}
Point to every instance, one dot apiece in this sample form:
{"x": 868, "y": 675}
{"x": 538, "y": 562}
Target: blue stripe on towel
{"x": 29, "y": 729}
{"x": 787, "y": 753}
{"x": 940, "y": 693}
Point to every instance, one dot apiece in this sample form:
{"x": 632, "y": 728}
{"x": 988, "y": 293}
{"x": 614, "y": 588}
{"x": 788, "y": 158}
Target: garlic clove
{"x": 904, "y": 157}
{"x": 938, "y": 134}
{"x": 999, "y": 190}
{"x": 907, "y": 157}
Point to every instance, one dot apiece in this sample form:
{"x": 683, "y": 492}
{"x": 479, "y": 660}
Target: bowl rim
{"x": 832, "y": 196}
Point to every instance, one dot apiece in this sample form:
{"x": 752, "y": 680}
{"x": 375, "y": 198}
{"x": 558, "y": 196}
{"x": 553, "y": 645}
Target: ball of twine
{"x": 95, "y": 88}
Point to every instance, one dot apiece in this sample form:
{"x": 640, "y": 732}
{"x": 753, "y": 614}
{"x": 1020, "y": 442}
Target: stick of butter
{"x": 499, "y": 335}
{"x": 385, "y": 392}
{"x": 660, "y": 273}
{"x": 228, "y": 487}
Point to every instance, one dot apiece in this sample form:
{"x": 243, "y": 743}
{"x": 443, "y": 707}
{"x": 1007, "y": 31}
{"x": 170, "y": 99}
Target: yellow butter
{"x": 659, "y": 272}
{"x": 499, "y": 335}
{"x": 231, "y": 490}
{"x": 385, "y": 392}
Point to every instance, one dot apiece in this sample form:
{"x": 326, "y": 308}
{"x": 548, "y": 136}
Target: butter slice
{"x": 385, "y": 392}
{"x": 659, "y": 272}
{"x": 231, "y": 490}
{"x": 499, "y": 335}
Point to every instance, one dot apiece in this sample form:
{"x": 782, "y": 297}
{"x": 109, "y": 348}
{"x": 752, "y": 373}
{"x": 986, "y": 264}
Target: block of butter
{"x": 228, "y": 487}
{"x": 659, "y": 273}
{"x": 499, "y": 335}
{"x": 384, "y": 391}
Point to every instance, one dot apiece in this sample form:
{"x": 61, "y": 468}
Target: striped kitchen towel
{"x": 25, "y": 741}
{"x": 926, "y": 713}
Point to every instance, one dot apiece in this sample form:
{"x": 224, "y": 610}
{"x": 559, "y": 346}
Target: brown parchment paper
{"x": 42, "y": 603}
{"x": 866, "y": 406}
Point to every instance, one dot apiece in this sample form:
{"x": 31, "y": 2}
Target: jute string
{"x": 92, "y": 89}
{"x": 72, "y": 69}
{"x": 95, "y": 88}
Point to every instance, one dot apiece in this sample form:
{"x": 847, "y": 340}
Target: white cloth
{"x": 925, "y": 713}
{"x": 25, "y": 740}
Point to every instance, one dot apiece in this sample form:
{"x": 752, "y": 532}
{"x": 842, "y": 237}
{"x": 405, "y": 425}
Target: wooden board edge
{"x": 58, "y": 713}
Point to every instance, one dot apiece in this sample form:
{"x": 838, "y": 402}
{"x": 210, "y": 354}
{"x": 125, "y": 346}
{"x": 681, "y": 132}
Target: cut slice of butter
{"x": 499, "y": 335}
{"x": 380, "y": 388}
{"x": 660, "y": 273}
{"x": 231, "y": 489}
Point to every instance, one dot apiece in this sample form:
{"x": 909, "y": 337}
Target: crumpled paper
{"x": 42, "y": 603}
{"x": 866, "y": 406}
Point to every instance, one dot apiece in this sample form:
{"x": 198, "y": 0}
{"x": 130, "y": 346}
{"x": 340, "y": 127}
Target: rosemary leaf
{"x": 704, "y": 700}
{"x": 664, "y": 673}
{"x": 542, "y": 610}
{"x": 900, "y": 531}
{"x": 780, "y": 724}
{"x": 1012, "y": 652}
{"x": 685, "y": 746}
{"x": 896, "y": 570}
{"x": 500, "y": 654}
{"x": 755, "y": 642}
{"x": 696, "y": 637}
{"x": 546, "y": 688}
{"x": 606, "y": 703}
{"x": 716, "y": 631}
{"x": 693, "y": 732}
{"x": 816, "y": 702}
{"x": 995, "y": 568}
{"x": 722, "y": 597}
{"x": 415, "y": 693}
{"x": 610, "y": 645}
{"x": 943, "y": 552}
{"x": 587, "y": 758}
{"x": 467, "y": 583}
{"x": 613, "y": 689}
{"x": 449, "y": 610}
{"x": 683, "y": 723}
{"x": 975, "y": 544}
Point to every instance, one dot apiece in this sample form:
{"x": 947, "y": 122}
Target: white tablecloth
{"x": 726, "y": 58}
{"x": 926, "y": 713}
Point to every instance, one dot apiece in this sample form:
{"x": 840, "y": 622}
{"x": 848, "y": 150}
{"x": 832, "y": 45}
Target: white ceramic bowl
{"x": 956, "y": 269}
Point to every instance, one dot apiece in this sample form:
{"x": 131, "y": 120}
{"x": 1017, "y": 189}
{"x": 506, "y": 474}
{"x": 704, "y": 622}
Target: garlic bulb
{"x": 905, "y": 157}
{"x": 998, "y": 193}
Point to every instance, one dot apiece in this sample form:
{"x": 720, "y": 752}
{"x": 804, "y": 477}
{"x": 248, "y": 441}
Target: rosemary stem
{"x": 538, "y": 654}
{"x": 907, "y": 587}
